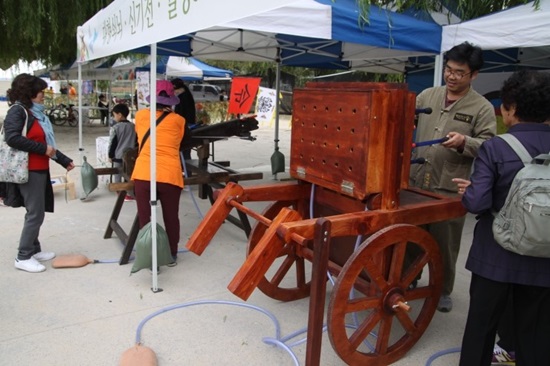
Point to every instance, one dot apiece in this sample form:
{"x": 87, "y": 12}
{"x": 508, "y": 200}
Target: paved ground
{"x": 90, "y": 315}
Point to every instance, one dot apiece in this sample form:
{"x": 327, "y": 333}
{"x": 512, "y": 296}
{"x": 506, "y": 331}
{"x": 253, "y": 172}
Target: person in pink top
{"x": 169, "y": 174}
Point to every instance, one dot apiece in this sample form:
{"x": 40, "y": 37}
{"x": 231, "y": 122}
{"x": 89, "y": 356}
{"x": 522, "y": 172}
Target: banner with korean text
{"x": 128, "y": 24}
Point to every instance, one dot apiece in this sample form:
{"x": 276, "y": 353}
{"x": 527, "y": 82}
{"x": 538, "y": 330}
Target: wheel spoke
{"x": 282, "y": 271}
{"x": 384, "y": 332}
{"x": 355, "y": 305}
{"x": 286, "y": 251}
{"x": 398, "y": 256}
{"x": 366, "y": 327}
{"x": 419, "y": 293}
{"x": 287, "y": 258}
{"x": 375, "y": 274}
{"x": 406, "y": 322}
{"x": 415, "y": 269}
{"x": 300, "y": 272}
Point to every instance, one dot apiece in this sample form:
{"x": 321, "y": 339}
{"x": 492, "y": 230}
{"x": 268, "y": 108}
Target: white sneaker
{"x": 29, "y": 265}
{"x": 44, "y": 256}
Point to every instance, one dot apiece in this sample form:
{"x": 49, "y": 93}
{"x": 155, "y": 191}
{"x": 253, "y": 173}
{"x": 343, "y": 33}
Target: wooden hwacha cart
{"x": 349, "y": 213}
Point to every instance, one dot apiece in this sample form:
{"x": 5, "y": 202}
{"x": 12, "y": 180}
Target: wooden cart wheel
{"x": 289, "y": 261}
{"x": 373, "y": 317}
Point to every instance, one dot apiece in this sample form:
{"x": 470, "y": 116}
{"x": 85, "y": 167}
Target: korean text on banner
{"x": 243, "y": 92}
{"x": 124, "y": 25}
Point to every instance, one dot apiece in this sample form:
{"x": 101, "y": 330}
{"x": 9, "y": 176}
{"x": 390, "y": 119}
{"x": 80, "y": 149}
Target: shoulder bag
{"x": 14, "y": 164}
{"x": 130, "y": 155}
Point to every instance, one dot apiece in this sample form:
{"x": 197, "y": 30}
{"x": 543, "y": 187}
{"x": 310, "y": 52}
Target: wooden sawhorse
{"x": 212, "y": 176}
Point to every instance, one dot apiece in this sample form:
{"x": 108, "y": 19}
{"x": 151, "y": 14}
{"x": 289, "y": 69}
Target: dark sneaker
{"x": 174, "y": 262}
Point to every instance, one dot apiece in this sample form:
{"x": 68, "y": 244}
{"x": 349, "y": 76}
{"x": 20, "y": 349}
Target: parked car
{"x": 207, "y": 93}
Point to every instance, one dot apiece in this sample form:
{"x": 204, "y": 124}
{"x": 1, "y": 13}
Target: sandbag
{"x": 71, "y": 261}
{"x": 89, "y": 177}
{"x": 144, "y": 243}
{"x": 138, "y": 355}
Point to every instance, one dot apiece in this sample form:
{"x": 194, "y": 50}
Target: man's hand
{"x": 456, "y": 141}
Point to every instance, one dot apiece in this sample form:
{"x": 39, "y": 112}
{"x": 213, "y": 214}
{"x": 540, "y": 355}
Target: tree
{"x": 42, "y": 30}
{"x": 463, "y": 9}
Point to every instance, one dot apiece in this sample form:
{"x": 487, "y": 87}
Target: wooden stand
{"x": 212, "y": 176}
{"x": 208, "y": 175}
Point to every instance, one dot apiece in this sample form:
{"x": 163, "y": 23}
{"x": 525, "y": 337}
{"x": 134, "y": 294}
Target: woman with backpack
{"x": 497, "y": 272}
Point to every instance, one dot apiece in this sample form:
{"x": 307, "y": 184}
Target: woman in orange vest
{"x": 169, "y": 174}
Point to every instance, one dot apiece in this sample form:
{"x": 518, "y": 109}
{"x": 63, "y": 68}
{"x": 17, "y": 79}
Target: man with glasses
{"x": 466, "y": 119}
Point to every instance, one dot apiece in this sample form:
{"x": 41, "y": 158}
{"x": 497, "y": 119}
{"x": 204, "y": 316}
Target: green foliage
{"x": 501, "y": 128}
{"x": 42, "y": 30}
{"x": 464, "y": 9}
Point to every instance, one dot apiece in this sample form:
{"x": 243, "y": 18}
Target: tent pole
{"x": 438, "y": 69}
{"x": 153, "y": 145}
{"x": 80, "y": 148}
{"x": 277, "y": 92}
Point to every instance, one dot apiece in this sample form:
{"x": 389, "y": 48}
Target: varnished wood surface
{"x": 213, "y": 219}
{"x": 353, "y": 138}
{"x": 293, "y": 262}
{"x": 262, "y": 257}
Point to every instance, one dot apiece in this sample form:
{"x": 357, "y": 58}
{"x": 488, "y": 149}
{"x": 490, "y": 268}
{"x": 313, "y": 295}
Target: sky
{"x": 21, "y": 68}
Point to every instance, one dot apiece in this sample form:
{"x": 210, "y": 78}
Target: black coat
{"x": 186, "y": 109}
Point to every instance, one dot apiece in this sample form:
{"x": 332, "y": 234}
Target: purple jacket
{"x": 494, "y": 170}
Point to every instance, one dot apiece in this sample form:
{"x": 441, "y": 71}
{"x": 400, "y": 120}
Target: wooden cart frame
{"x": 313, "y": 219}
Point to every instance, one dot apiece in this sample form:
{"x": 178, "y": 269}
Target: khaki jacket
{"x": 472, "y": 116}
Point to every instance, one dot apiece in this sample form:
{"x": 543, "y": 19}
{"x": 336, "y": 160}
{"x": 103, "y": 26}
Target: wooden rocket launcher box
{"x": 354, "y": 138}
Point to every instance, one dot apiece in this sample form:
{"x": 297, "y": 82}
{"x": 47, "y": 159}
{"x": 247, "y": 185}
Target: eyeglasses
{"x": 457, "y": 74}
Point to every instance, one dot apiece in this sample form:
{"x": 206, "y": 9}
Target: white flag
{"x": 265, "y": 105}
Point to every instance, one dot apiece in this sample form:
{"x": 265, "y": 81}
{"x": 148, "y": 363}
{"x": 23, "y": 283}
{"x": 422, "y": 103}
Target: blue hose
{"x": 442, "y": 353}
{"x": 276, "y": 340}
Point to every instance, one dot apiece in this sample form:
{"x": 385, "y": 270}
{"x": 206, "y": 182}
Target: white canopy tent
{"x": 186, "y": 68}
{"x": 518, "y": 36}
{"x": 312, "y": 33}
{"x": 521, "y": 26}
{"x": 120, "y": 27}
